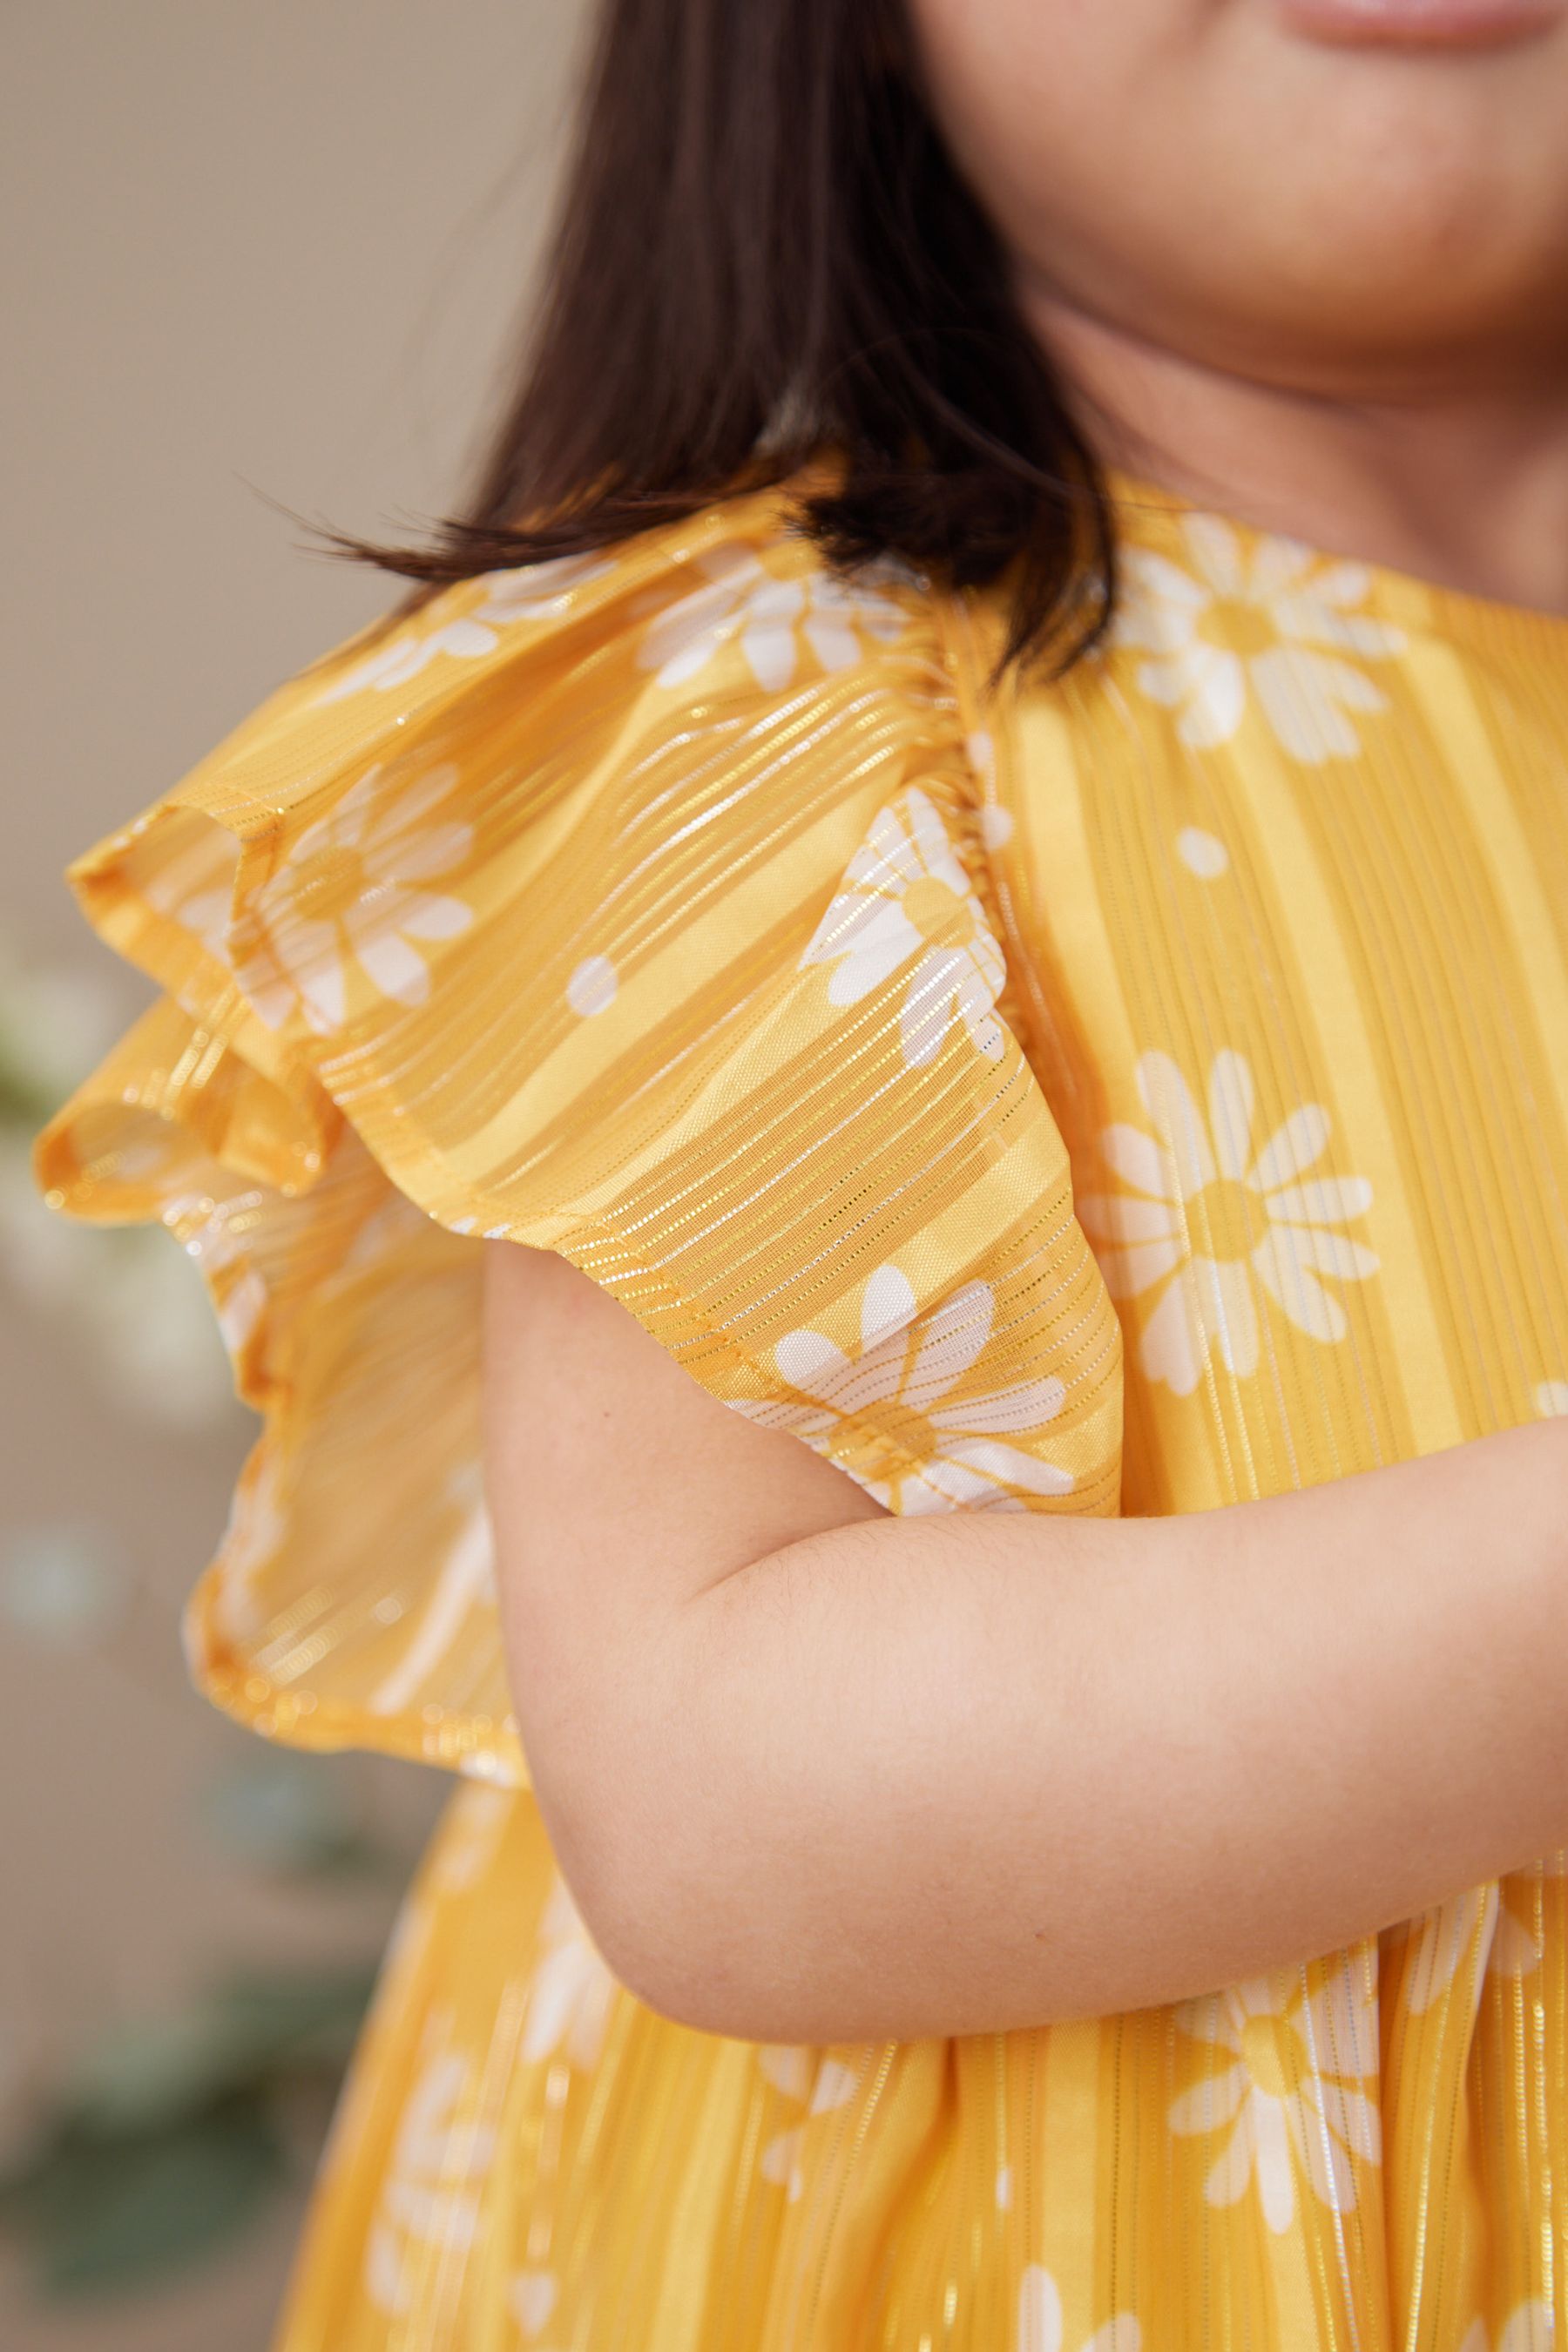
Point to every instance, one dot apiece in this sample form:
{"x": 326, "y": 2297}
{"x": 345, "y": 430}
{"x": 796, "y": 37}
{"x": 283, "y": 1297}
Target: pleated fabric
{"x": 1145, "y": 1090}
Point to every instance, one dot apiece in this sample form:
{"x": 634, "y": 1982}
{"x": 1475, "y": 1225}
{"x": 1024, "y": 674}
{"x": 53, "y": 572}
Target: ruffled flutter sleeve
{"x": 631, "y": 907}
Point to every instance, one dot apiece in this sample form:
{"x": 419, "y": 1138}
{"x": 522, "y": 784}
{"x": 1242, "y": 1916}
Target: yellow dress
{"x": 1147, "y": 1090}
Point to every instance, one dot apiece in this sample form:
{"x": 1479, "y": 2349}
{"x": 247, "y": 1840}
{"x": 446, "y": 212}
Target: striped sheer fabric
{"x": 1147, "y": 1090}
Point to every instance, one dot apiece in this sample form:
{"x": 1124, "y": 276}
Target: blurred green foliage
{"x": 175, "y": 2133}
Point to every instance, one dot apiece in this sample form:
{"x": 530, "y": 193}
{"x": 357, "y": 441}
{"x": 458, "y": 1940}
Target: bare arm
{"x": 819, "y": 1774}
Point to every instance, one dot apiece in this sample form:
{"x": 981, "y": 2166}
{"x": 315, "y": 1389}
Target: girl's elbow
{"x": 687, "y": 1936}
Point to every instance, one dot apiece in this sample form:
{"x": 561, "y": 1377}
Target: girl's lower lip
{"x": 1424, "y": 24}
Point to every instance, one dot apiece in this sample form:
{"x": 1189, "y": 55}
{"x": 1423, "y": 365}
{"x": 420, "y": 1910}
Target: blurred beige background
{"x": 278, "y": 249}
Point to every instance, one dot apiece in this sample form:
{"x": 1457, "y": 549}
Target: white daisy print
{"x": 536, "y": 592}
{"x": 572, "y": 1991}
{"x": 366, "y": 865}
{"x": 1280, "y": 625}
{"x": 1295, "y": 2093}
{"x": 907, "y": 906}
{"x": 1206, "y": 1220}
{"x": 961, "y": 1458}
{"x": 1040, "y": 2327}
{"x": 1551, "y": 1399}
{"x": 773, "y": 618}
{"x": 820, "y": 2083}
{"x": 193, "y": 886}
{"x": 531, "y": 2297}
{"x": 430, "y": 2199}
{"x": 1531, "y": 2327}
{"x": 1440, "y": 1939}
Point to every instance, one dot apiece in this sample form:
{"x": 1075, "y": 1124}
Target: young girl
{"x": 888, "y": 1087}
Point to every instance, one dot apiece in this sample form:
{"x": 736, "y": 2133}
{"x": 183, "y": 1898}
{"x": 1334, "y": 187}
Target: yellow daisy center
{"x": 1263, "y": 2055}
{"x": 1226, "y": 1221}
{"x": 1238, "y": 624}
{"x": 941, "y": 917}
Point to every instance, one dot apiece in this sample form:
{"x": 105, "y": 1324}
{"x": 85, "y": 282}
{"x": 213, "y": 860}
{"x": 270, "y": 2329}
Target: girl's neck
{"x": 1469, "y": 489}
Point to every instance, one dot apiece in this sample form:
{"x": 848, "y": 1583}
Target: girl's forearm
{"x": 970, "y": 1773}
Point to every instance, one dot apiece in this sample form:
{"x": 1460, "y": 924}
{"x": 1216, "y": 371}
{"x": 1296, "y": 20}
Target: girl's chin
{"x": 1422, "y": 24}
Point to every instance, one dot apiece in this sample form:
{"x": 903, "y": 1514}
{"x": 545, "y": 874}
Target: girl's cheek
{"x": 1202, "y": 172}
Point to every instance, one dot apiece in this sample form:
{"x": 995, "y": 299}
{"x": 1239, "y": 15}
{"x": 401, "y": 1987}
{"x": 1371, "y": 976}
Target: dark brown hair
{"x": 764, "y": 255}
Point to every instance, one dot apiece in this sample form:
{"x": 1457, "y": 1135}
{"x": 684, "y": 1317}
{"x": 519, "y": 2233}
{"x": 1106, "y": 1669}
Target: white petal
{"x": 1329, "y": 1252}
{"x": 398, "y": 970}
{"x": 1218, "y": 689}
{"x": 1039, "y": 2311}
{"x": 552, "y": 2000}
{"x": 423, "y": 916}
{"x": 1342, "y": 582}
{"x": 1202, "y": 853}
{"x": 532, "y": 2298}
{"x": 1230, "y": 1113}
{"x": 1119, "y": 1217}
{"x": 1001, "y": 1465}
{"x": 926, "y": 1014}
{"x": 685, "y": 635}
{"x": 1210, "y": 2103}
{"x": 772, "y": 655}
{"x": 1531, "y": 2327}
{"x": 930, "y": 837}
{"x": 1154, "y": 579}
{"x": 1352, "y": 2117}
{"x": 1328, "y": 2167}
{"x": 1328, "y": 1200}
{"x": 1168, "y": 681}
{"x": 1173, "y": 1347}
{"x": 1137, "y": 1158}
{"x": 861, "y": 974}
{"x": 1130, "y": 1272}
{"x": 1121, "y": 2333}
{"x": 835, "y": 2083}
{"x": 1301, "y": 693}
{"x": 877, "y": 1375}
{"x": 774, "y": 602}
{"x": 1167, "y": 1098}
{"x": 1217, "y": 549}
{"x": 1007, "y": 1412}
{"x": 888, "y": 859}
{"x": 810, "y": 1361}
{"x": 1292, "y": 1148}
{"x": 1271, "y": 2149}
{"x": 1278, "y": 564}
{"x": 779, "y": 2159}
{"x": 889, "y": 1305}
{"x": 322, "y": 987}
{"x": 390, "y": 813}
{"x": 1226, "y": 2179}
{"x": 1297, "y": 1292}
{"x": 833, "y": 642}
{"x": 1223, "y": 1292}
{"x": 952, "y": 1339}
{"x": 787, "y": 2066}
{"x": 864, "y": 922}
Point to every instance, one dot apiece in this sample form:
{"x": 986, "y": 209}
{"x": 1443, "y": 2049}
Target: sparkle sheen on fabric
{"x": 1145, "y": 1092}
